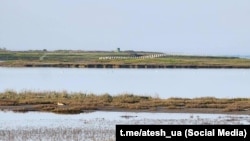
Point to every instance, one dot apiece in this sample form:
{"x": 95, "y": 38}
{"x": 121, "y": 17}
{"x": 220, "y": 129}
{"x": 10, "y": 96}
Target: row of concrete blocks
{"x": 132, "y": 57}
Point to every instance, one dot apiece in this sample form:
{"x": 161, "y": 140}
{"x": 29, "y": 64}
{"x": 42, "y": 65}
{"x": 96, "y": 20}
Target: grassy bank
{"x": 91, "y": 59}
{"x": 81, "y": 102}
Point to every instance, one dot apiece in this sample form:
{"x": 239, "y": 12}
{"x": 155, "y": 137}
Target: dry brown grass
{"x": 80, "y": 102}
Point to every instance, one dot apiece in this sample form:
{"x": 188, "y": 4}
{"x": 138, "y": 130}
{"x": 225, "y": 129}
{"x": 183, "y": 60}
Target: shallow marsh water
{"x": 98, "y": 125}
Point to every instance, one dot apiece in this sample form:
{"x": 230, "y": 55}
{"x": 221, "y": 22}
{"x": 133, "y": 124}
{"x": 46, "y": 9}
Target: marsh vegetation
{"x": 81, "y": 102}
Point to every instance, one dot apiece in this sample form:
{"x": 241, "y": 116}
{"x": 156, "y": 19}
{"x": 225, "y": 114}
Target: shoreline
{"x": 32, "y": 108}
{"x": 73, "y": 103}
{"x": 101, "y": 59}
{"x": 127, "y": 66}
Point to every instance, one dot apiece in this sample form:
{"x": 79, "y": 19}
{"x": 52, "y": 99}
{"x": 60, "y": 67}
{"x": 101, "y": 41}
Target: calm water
{"x": 222, "y": 83}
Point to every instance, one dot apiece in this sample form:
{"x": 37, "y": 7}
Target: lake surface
{"x": 163, "y": 83}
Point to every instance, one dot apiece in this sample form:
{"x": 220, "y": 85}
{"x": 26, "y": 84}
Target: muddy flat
{"x": 27, "y": 108}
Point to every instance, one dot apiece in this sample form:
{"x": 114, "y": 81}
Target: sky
{"x": 204, "y": 27}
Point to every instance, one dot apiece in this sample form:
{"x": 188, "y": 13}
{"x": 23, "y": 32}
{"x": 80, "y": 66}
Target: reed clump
{"x": 64, "y": 102}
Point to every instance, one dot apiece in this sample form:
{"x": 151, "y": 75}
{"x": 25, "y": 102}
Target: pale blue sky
{"x": 172, "y": 26}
